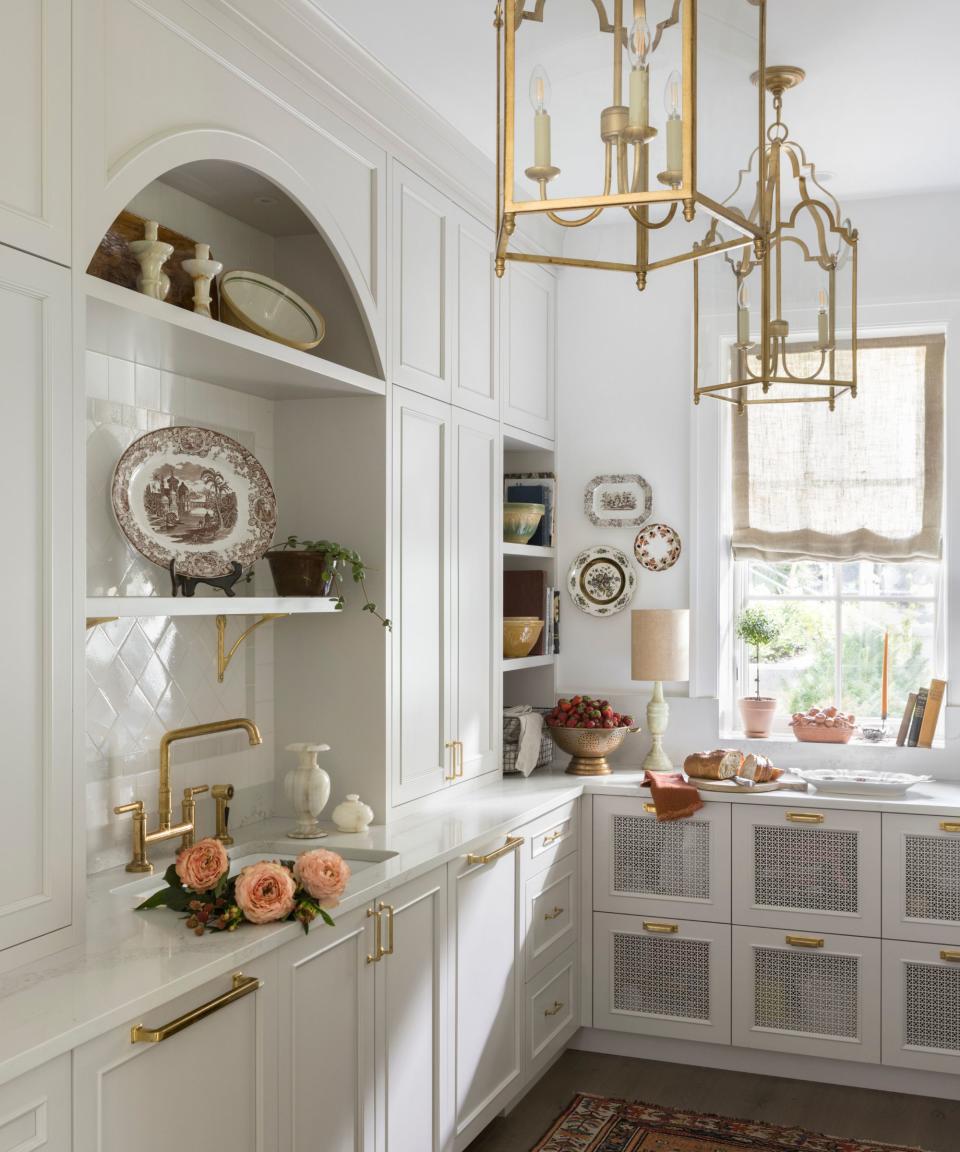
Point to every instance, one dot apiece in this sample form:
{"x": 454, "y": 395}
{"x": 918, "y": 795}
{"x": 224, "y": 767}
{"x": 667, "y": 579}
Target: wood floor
{"x": 915, "y": 1121}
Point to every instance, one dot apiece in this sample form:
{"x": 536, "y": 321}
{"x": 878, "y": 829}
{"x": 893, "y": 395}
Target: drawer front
{"x": 804, "y": 993}
{"x": 804, "y": 868}
{"x": 662, "y": 978}
{"x": 35, "y": 1109}
{"x": 921, "y": 878}
{"x": 921, "y": 990}
{"x": 551, "y": 837}
{"x": 552, "y": 913}
{"x": 552, "y": 1011}
{"x": 673, "y": 868}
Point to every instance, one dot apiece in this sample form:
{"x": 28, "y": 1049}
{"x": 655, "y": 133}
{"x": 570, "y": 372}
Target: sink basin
{"x": 359, "y": 860}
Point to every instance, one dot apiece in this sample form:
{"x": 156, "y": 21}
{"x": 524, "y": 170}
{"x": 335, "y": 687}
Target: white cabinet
{"x": 36, "y": 716}
{"x": 35, "y": 1109}
{"x": 35, "y": 127}
{"x": 810, "y": 994}
{"x": 800, "y": 868}
{"x": 921, "y": 878}
{"x": 485, "y": 919}
{"x": 662, "y": 977}
{"x": 528, "y": 346}
{"x": 676, "y": 868}
{"x": 552, "y": 920}
{"x": 446, "y": 515}
{"x": 476, "y": 380}
{"x": 921, "y": 1019}
{"x": 551, "y": 1014}
{"x": 165, "y": 1091}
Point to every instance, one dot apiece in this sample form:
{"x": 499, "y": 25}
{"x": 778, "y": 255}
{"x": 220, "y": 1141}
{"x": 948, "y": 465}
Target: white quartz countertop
{"x": 133, "y": 962}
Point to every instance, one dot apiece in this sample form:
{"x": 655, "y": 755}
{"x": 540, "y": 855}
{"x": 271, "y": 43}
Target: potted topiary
{"x": 313, "y": 567}
{"x": 758, "y": 630}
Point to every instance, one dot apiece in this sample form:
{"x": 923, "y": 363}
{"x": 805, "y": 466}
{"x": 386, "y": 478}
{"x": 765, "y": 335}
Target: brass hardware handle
{"x": 189, "y": 793}
{"x": 557, "y": 1007}
{"x": 458, "y": 759}
{"x": 373, "y": 957}
{"x": 554, "y": 914}
{"x": 805, "y": 941}
{"x": 806, "y": 817}
{"x": 452, "y": 744}
{"x": 388, "y": 908}
{"x": 651, "y": 808}
{"x": 552, "y": 837}
{"x": 662, "y": 929}
{"x": 949, "y": 826}
{"x": 946, "y": 954}
{"x": 135, "y": 806}
{"x": 513, "y": 842}
{"x": 242, "y": 986}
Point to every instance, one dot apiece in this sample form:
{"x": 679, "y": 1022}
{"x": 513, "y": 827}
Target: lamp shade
{"x": 660, "y": 644}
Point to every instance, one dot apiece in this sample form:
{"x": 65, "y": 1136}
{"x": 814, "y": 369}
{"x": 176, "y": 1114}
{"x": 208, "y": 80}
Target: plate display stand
{"x": 187, "y": 585}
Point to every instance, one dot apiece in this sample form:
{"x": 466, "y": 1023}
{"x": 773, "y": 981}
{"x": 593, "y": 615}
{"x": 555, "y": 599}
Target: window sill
{"x": 779, "y": 739}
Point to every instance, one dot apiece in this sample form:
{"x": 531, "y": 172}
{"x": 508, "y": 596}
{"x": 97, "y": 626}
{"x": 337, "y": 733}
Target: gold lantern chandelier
{"x": 802, "y": 270}
{"x": 630, "y": 129}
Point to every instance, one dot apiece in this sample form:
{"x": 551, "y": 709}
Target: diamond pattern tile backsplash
{"x": 148, "y": 675}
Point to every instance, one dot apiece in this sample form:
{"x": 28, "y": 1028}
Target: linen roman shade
{"x": 864, "y": 482}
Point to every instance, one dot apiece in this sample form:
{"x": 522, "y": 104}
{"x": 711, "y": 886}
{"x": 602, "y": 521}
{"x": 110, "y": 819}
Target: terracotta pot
{"x": 299, "y": 573}
{"x": 757, "y": 715}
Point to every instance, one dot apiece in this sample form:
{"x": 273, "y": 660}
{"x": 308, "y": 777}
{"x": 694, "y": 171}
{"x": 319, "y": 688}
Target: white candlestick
{"x": 541, "y": 139}
{"x": 639, "y": 98}
{"x": 823, "y": 329}
{"x": 675, "y": 144}
{"x": 743, "y": 325}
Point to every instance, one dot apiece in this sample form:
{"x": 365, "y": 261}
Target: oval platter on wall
{"x": 194, "y": 496}
{"x": 618, "y": 500}
{"x": 601, "y": 581}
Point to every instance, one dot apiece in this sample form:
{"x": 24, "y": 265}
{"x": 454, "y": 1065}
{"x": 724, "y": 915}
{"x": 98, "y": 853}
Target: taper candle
{"x": 885, "y": 675}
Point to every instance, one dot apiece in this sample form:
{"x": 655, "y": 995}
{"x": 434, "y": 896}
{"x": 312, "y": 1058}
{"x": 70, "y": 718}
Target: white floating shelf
{"x": 103, "y": 606}
{"x": 530, "y": 550}
{"x": 527, "y": 662}
{"x": 131, "y": 326}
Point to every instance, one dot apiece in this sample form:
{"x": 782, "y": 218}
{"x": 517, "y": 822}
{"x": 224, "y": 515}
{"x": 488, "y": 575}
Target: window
{"x": 837, "y": 535}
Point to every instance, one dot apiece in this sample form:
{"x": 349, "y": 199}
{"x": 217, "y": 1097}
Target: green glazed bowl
{"x": 520, "y": 521}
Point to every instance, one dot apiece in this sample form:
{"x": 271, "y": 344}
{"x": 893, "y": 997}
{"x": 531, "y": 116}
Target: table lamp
{"x": 660, "y": 650}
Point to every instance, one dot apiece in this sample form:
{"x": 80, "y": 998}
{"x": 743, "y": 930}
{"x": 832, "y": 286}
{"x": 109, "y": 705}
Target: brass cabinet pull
{"x": 650, "y": 808}
{"x": 949, "y": 826}
{"x": 458, "y": 767}
{"x": 388, "y": 908}
{"x": 663, "y": 929}
{"x": 805, "y": 941}
{"x": 947, "y": 954}
{"x": 557, "y": 1007}
{"x": 453, "y": 745}
{"x": 513, "y": 842}
{"x": 552, "y": 837}
{"x": 242, "y": 986}
{"x": 377, "y": 953}
{"x": 806, "y": 817}
{"x": 553, "y": 915}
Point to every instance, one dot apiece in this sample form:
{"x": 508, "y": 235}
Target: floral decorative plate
{"x": 657, "y": 547}
{"x": 601, "y": 581}
{"x": 195, "y": 496}
{"x": 618, "y": 501}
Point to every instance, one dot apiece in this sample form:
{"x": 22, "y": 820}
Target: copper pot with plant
{"x": 315, "y": 568}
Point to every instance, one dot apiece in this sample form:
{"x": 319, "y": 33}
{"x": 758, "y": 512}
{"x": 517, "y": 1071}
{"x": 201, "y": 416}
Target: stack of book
{"x": 921, "y": 715}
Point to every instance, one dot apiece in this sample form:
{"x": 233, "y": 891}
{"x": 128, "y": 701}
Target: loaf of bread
{"x": 720, "y": 764}
{"x": 759, "y": 769}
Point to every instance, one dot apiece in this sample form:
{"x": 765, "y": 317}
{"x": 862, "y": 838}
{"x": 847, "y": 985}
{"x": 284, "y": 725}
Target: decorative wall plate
{"x": 657, "y": 547}
{"x": 618, "y": 501}
{"x": 255, "y": 302}
{"x": 601, "y": 581}
{"x": 194, "y": 496}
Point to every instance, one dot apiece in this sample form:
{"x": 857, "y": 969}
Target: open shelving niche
{"x": 530, "y": 679}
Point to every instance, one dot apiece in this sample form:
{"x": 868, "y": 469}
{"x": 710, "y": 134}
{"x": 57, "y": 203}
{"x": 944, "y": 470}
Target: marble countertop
{"x": 133, "y": 962}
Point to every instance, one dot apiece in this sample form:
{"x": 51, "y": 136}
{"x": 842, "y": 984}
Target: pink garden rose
{"x": 201, "y": 866}
{"x": 265, "y": 891}
{"x": 324, "y": 875}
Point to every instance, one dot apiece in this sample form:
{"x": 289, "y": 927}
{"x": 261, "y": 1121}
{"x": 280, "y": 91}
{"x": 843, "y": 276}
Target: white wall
{"x": 625, "y": 406}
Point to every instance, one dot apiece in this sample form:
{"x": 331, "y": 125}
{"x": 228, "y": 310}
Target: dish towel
{"x": 531, "y": 729}
{"x": 673, "y": 797}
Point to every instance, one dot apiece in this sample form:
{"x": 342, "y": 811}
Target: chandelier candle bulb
{"x": 639, "y": 48}
{"x": 539, "y": 98}
{"x": 743, "y": 316}
{"x": 671, "y": 100}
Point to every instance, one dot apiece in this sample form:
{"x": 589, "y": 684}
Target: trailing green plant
{"x": 337, "y": 556}
{"x": 758, "y": 630}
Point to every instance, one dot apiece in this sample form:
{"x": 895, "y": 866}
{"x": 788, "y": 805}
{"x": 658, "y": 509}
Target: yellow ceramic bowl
{"x": 520, "y": 634}
{"x": 520, "y": 521}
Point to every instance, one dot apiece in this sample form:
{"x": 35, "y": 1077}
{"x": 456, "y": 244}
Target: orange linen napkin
{"x": 673, "y": 797}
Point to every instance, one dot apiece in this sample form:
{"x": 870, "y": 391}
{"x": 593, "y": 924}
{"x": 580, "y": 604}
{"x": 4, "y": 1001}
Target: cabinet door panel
{"x": 325, "y": 1018}
{"x": 529, "y": 375}
{"x": 921, "y": 878}
{"x": 475, "y": 385}
{"x": 421, "y": 574}
{"x": 475, "y": 602}
{"x": 921, "y": 1019}
{"x": 35, "y": 127}
{"x": 35, "y": 680}
{"x": 552, "y": 914}
{"x": 35, "y": 1109}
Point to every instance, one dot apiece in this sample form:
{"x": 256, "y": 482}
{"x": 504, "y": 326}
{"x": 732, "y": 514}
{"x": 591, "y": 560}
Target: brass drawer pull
{"x": 554, "y": 914}
{"x": 805, "y": 941}
{"x": 663, "y": 929}
{"x": 553, "y": 837}
{"x": 377, "y": 953}
{"x": 388, "y": 908}
{"x": 952, "y": 957}
{"x": 949, "y": 826}
{"x": 453, "y": 745}
{"x": 557, "y": 1007}
{"x": 651, "y": 808}
{"x": 806, "y": 817}
{"x": 513, "y": 842}
{"x": 242, "y": 986}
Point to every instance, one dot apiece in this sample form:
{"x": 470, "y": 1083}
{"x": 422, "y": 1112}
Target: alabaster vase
{"x": 307, "y": 787}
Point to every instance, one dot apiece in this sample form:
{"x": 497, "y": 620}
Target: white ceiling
{"x": 877, "y": 109}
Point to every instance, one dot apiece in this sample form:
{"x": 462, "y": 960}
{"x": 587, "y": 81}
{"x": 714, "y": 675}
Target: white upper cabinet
{"x": 476, "y": 376}
{"x": 35, "y": 127}
{"x": 36, "y": 716}
{"x": 528, "y": 346}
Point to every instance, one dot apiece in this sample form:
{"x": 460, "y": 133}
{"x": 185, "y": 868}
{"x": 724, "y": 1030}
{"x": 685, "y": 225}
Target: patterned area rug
{"x": 599, "y": 1124}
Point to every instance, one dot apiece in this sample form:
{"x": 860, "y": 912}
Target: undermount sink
{"x": 359, "y": 860}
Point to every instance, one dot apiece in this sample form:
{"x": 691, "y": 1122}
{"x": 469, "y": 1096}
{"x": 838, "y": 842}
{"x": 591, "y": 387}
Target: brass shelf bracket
{"x": 223, "y": 656}
{"x": 95, "y": 621}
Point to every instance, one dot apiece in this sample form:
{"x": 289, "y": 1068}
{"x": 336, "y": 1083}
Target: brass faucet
{"x": 166, "y": 829}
